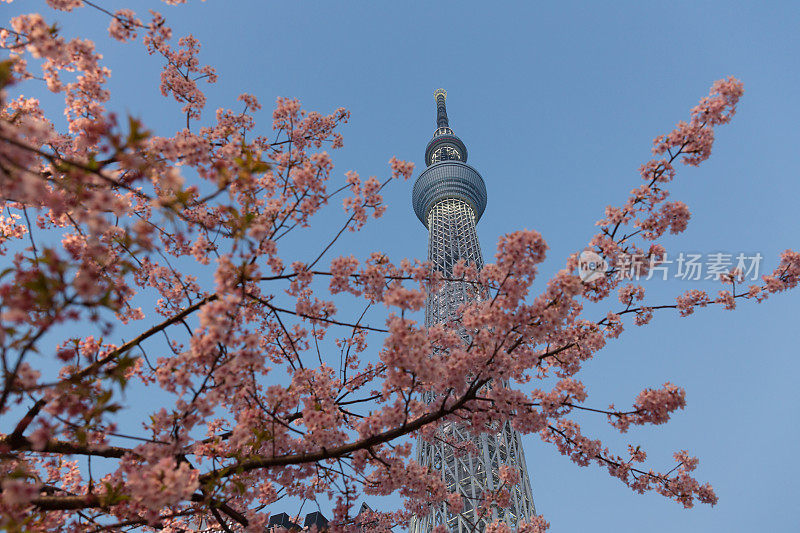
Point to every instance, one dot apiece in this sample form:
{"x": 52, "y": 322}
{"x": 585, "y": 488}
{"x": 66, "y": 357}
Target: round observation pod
{"x": 445, "y": 145}
{"x": 446, "y": 180}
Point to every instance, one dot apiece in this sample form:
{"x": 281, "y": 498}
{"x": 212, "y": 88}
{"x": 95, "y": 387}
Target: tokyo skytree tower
{"x": 449, "y": 198}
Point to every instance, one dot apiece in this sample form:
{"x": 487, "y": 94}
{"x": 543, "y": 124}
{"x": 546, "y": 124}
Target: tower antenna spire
{"x": 440, "y": 95}
{"x": 445, "y": 145}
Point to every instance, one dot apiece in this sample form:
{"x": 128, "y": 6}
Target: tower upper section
{"x": 447, "y": 176}
{"x": 444, "y": 145}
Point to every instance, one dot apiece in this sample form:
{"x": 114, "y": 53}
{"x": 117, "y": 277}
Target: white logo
{"x": 592, "y": 266}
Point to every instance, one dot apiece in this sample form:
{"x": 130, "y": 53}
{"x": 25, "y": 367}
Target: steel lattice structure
{"x": 449, "y": 198}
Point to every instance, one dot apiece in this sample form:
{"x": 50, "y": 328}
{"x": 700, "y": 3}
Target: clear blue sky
{"x": 558, "y": 103}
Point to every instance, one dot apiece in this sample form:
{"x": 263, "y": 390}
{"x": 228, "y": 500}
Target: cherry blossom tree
{"x": 272, "y": 387}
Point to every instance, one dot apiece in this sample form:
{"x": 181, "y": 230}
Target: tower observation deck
{"x": 449, "y": 198}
